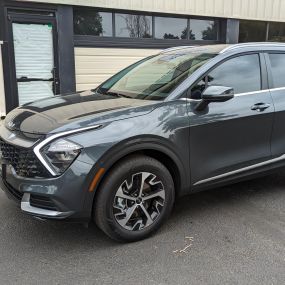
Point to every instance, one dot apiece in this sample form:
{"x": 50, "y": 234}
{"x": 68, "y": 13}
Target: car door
{"x": 276, "y": 64}
{"x": 227, "y": 137}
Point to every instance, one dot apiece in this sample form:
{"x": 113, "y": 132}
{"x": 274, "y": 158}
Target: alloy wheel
{"x": 139, "y": 201}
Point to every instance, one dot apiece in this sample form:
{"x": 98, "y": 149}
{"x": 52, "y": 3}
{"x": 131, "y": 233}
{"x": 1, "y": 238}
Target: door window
{"x": 34, "y": 58}
{"x": 277, "y": 67}
{"x": 241, "y": 73}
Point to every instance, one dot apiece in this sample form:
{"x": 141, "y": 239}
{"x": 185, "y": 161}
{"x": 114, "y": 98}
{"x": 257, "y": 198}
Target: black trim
{"x": 66, "y": 56}
{"x": 137, "y": 144}
{"x": 94, "y": 41}
{"x": 264, "y": 72}
{"x": 232, "y": 31}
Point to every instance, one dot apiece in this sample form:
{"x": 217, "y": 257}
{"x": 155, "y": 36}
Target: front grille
{"x": 42, "y": 202}
{"x": 23, "y": 160}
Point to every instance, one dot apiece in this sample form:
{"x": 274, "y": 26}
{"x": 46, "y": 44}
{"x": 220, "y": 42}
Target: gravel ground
{"x": 235, "y": 234}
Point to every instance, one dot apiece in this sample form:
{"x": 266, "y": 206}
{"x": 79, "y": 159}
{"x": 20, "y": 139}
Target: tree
{"x": 170, "y": 36}
{"x": 88, "y": 23}
{"x": 184, "y": 34}
{"x": 137, "y": 26}
{"x": 210, "y": 33}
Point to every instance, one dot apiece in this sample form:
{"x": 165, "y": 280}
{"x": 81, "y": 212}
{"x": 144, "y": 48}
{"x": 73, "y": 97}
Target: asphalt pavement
{"x": 230, "y": 235}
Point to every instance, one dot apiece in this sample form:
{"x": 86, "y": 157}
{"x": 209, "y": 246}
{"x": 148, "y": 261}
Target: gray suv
{"x": 182, "y": 121}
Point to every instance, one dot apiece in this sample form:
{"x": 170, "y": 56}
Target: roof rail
{"x": 236, "y": 46}
{"x": 176, "y": 48}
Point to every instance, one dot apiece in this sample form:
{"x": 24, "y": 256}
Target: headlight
{"x": 60, "y": 154}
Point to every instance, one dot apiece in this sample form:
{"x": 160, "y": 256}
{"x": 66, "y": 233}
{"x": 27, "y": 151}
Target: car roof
{"x": 225, "y": 48}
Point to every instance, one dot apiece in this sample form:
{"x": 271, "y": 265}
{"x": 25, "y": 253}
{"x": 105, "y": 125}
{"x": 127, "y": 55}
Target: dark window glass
{"x": 241, "y": 73}
{"x": 278, "y": 71}
{"x": 252, "y": 31}
{"x": 203, "y": 30}
{"x": 276, "y": 32}
{"x": 170, "y": 28}
{"x": 133, "y": 26}
{"x": 92, "y": 22}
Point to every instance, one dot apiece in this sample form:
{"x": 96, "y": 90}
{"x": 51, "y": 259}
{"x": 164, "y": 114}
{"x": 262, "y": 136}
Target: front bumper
{"x": 52, "y": 198}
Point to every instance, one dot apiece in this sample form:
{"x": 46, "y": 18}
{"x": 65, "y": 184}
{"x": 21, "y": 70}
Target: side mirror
{"x": 215, "y": 94}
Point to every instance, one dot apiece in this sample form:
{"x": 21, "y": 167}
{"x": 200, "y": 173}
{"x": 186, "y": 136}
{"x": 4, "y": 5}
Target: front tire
{"x": 134, "y": 199}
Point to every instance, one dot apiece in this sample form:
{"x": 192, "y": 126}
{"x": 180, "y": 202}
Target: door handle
{"x": 259, "y": 107}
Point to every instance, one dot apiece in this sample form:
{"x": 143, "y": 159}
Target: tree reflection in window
{"x": 133, "y": 26}
{"x": 203, "y": 29}
{"x": 93, "y": 23}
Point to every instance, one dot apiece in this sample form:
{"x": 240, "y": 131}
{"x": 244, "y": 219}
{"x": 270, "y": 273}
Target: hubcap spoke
{"x": 159, "y": 193}
{"x": 149, "y": 220}
{"x": 129, "y": 212}
{"x": 144, "y": 176}
{"x": 139, "y": 201}
{"x": 121, "y": 194}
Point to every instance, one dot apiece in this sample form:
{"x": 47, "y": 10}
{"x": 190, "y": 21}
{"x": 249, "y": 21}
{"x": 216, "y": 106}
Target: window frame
{"x": 113, "y": 41}
{"x": 264, "y": 82}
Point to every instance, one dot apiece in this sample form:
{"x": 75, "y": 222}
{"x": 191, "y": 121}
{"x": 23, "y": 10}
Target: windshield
{"x": 155, "y": 77}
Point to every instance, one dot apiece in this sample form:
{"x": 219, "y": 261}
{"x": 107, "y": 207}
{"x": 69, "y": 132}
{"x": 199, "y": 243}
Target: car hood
{"x": 68, "y": 112}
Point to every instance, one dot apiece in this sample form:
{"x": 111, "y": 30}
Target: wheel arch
{"x": 158, "y": 148}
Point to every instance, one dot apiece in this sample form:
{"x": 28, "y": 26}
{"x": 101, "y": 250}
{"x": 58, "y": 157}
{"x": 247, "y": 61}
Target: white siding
{"x": 94, "y": 65}
{"x": 270, "y": 10}
{"x": 2, "y": 91}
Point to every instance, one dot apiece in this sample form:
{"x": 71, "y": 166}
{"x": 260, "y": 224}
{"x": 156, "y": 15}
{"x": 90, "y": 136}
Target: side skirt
{"x": 234, "y": 173}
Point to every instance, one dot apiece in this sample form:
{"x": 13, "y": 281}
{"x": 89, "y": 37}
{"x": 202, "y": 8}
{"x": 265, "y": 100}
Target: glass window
{"x": 170, "y": 28}
{"x": 203, "y": 30}
{"x": 155, "y": 77}
{"x": 241, "y": 73}
{"x": 277, "y": 65}
{"x": 92, "y": 22}
{"x": 133, "y": 26}
{"x": 252, "y": 31}
{"x": 276, "y": 32}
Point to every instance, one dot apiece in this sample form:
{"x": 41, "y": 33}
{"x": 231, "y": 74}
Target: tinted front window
{"x": 241, "y": 73}
{"x": 203, "y": 30}
{"x": 92, "y": 22}
{"x": 154, "y": 78}
{"x": 133, "y": 26}
{"x": 278, "y": 69}
{"x": 170, "y": 28}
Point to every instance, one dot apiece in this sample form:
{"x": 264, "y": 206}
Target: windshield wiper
{"x": 120, "y": 95}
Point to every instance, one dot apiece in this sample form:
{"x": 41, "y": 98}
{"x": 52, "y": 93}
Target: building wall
{"x": 94, "y": 65}
{"x": 2, "y": 92}
{"x": 269, "y": 10}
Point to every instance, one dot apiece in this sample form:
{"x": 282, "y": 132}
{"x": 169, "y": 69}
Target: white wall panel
{"x": 95, "y": 65}
{"x": 270, "y": 10}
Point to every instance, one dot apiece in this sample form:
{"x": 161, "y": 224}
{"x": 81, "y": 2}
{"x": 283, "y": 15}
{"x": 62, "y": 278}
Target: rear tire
{"x": 134, "y": 199}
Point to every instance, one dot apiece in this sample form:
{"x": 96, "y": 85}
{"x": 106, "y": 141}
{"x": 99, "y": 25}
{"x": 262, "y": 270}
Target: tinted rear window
{"x": 278, "y": 69}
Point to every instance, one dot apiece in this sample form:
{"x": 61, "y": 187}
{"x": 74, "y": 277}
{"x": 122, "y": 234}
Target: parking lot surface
{"x": 230, "y": 235}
